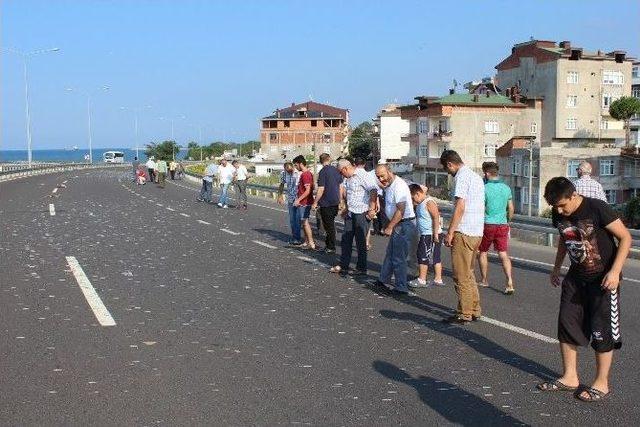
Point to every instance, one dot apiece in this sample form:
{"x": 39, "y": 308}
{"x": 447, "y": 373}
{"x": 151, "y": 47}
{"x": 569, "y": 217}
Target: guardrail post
{"x": 549, "y": 239}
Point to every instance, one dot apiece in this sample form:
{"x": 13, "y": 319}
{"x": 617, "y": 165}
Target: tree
{"x": 623, "y": 109}
{"x": 166, "y": 150}
{"x": 362, "y": 140}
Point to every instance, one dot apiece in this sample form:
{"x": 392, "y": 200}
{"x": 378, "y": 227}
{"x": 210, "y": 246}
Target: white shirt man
{"x": 226, "y": 172}
{"x": 470, "y": 188}
{"x": 398, "y": 192}
{"x": 241, "y": 173}
{"x": 587, "y": 186}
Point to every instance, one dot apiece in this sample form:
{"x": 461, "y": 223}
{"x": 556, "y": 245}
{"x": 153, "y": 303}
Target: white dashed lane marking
{"x": 90, "y": 294}
{"x": 55, "y": 190}
{"x": 170, "y": 209}
{"x": 185, "y": 215}
{"x": 204, "y": 222}
{"x": 266, "y": 245}
{"x": 52, "y": 209}
{"x": 233, "y": 233}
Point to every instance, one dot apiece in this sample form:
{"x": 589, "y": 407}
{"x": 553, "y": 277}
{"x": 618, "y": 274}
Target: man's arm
{"x": 557, "y": 265}
{"x": 397, "y": 217}
{"x": 305, "y": 193}
{"x": 373, "y": 201}
{"x": 621, "y": 233}
{"x": 458, "y": 211}
{"x": 318, "y": 197}
{"x": 510, "y": 210}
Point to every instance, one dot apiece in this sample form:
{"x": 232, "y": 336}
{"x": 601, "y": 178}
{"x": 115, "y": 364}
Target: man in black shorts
{"x": 589, "y": 305}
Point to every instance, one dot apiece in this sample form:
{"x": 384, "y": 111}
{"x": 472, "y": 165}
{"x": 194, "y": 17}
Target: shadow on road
{"x": 450, "y": 401}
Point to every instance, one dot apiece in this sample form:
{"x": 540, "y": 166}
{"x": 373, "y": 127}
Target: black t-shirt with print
{"x": 590, "y": 246}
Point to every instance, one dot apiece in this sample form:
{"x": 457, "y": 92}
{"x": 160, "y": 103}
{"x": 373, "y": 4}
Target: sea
{"x": 65, "y": 155}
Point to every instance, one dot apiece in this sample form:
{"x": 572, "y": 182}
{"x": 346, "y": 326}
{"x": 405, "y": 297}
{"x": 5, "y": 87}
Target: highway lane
{"x": 213, "y": 327}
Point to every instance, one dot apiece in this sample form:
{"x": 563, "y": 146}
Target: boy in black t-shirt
{"x": 589, "y": 307}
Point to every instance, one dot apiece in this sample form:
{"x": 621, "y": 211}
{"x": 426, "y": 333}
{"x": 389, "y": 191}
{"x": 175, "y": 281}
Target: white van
{"x": 113, "y": 157}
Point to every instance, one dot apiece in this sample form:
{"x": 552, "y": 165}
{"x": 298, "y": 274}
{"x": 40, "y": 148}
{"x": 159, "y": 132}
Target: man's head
{"x": 490, "y": 170}
{"x": 359, "y": 162}
{"x": 417, "y": 193}
{"x": 451, "y": 161}
{"x": 223, "y": 161}
{"x": 584, "y": 168}
{"x": 235, "y": 164}
{"x": 345, "y": 167}
{"x": 325, "y": 159}
{"x": 384, "y": 174}
{"x": 300, "y": 163}
{"x": 288, "y": 167}
{"x": 561, "y": 194}
{"x": 135, "y": 158}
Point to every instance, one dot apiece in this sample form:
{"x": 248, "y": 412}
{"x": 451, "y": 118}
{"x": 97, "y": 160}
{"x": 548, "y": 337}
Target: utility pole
{"x": 530, "y": 173}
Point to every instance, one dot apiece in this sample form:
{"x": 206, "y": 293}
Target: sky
{"x": 217, "y": 67}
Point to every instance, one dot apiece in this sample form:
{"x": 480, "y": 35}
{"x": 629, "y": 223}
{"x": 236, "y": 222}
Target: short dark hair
{"x": 415, "y": 189}
{"x": 235, "y": 162}
{"x": 324, "y": 157}
{"x": 287, "y": 164}
{"x": 490, "y": 167}
{"x": 359, "y": 161}
{"x": 558, "y": 188}
{"x": 300, "y": 159}
{"x": 450, "y": 156}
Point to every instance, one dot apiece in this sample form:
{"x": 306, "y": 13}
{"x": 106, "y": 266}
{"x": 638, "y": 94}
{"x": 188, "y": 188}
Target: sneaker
{"x": 475, "y": 318}
{"x": 434, "y": 283}
{"x": 418, "y": 283}
{"x": 219, "y": 205}
{"x": 329, "y": 251}
{"x": 225, "y": 207}
{"x": 483, "y": 285}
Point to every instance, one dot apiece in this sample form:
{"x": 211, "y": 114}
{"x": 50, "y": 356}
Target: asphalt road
{"x": 217, "y": 323}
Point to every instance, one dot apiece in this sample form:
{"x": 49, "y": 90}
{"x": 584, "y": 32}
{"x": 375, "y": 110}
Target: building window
{"x": 441, "y": 148}
{"x": 327, "y": 137}
{"x": 634, "y": 72}
{"x": 607, "y": 167}
{"x": 534, "y": 127}
{"x": 490, "y": 150}
{"x": 423, "y": 151}
{"x": 443, "y": 125}
{"x": 516, "y": 166}
{"x": 572, "y": 168}
{"x": 286, "y": 123}
{"x": 607, "y": 99}
{"x": 572, "y": 101}
{"x": 612, "y": 78}
{"x": 635, "y": 91}
{"x": 491, "y": 126}
{"x": 628, "y": 169}
{"x": 604, "y": 124}
{"x": 572, "y": 124}
{"x": 327, "y": 149}
{"x": 314, "y": 123}
{"x": 572, "y": 77}
{"x": 273, "y": 137}
{"x": 423, "y": 126}
{"x": 611, "y": 196}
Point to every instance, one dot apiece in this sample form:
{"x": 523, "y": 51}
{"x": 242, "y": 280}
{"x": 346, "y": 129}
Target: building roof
{"x": 468, "y": 99}
{"x": 312, "y": 110}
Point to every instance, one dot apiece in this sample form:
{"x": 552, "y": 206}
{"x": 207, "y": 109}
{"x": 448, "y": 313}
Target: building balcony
{"x": 440, "y": 136}
{"x": 409, "y": 137}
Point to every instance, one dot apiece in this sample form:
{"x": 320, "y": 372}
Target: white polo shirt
{"x": 241, "y": 173}
{"x": 226, "y": 173}
{"x": 396, "y": 193}
{"x": 470, "y": 188}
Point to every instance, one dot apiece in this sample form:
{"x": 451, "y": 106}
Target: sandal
{"x": 509, "y": 291}
{"x": 335, "y": 269}
{"x": 593, "y": 395}
{"x": 555, "y": 385}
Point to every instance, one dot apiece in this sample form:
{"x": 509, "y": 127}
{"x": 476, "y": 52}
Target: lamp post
{"x": 88, "y": 95}
{"x": 135, "y": 111}
{"x": 25, "y": 56}
{"x": 530, "y": 173}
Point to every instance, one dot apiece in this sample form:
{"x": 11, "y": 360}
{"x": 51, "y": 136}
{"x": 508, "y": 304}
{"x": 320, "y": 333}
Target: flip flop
{"x": 335, "y": 269}
{"x": 594, "y": 395}
{"x": 555, "y": 385}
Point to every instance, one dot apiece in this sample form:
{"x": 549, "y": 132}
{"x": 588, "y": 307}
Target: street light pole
{"x": 25, "y": 58}
{"x": 90, "y": 136}
{"x": 530, "y": 174}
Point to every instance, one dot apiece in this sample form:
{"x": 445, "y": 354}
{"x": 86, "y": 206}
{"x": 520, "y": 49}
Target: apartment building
{"x": 391, "y": 128}
{"x": 577, "y": 88}
{"x": 305, "y": 128}
{"x": 474, "y": 124}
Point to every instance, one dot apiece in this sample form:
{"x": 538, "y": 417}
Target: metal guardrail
{"x": 7, "y": 172}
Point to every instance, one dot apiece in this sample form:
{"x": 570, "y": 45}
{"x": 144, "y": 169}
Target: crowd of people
{"x": 379, "y": 201}
{"x": 156, "y": 171}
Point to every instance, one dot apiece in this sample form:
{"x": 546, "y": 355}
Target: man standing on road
{"x": 464, "y": 235}
{"x": 135, "y": 165}
{"x": 172, "y": 169}
{"x": 289, "y": 178}
{"x": 151, "y": 167}
{"x": 361, "y": 194}
{"x": 161, "y": 171}
{"x": 587, "y": 186}
{"x": 304, "y": 200}
{"x": 240, "y": 178}
{"x": 328, "y": 198}
{"x": 498, "y": 212}
{"x": 589, "y": 304}
{"x": 207, "y": 182}
{"x": 401, "y": 227}
{"x": 225, "y": 172}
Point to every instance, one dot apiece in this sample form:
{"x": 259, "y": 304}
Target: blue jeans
{"x": 395, "y": 260}
{"x": 224, "y": 194}
{"x": 294, "y": 222}
{"x": 205, "y": 191}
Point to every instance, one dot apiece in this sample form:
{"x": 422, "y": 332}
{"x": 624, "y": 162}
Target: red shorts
{"x": 496, "y": 234}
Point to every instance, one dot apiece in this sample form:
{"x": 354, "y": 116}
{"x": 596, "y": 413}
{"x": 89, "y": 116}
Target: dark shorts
{"x": 304, "y": 212}
{"x": 428, "y": 251}
{"x": 496, "y": 235}
{"x": 589, "y": 314}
